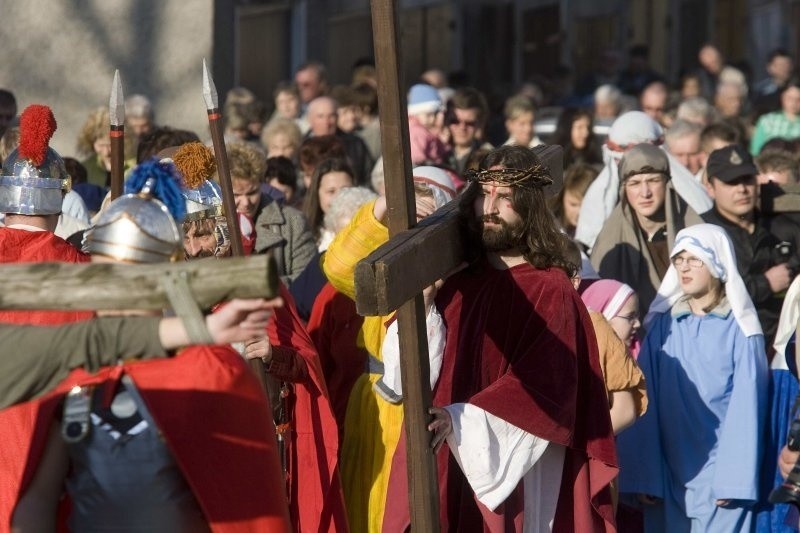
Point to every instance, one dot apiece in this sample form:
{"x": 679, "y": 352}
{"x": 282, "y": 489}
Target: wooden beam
{"x": 415, "y": 258}
{"x": 436, "y": 243}
{"x": 414, "y": 367}
{"x": 118, "y": 286}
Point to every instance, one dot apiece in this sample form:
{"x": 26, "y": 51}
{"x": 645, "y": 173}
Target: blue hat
{"x": 424, "y": 98}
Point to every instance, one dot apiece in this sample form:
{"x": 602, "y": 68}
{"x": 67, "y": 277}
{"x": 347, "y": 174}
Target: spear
{"x": 228, "y": 202}
{"x": 224, "y": 170}
{"x": 116, "y": 116}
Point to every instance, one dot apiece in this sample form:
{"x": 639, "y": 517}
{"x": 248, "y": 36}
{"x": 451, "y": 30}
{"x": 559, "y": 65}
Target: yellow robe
{"x": 372, "y": 425}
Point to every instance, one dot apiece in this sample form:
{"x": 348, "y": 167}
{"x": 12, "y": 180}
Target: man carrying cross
{"x": 520, "y": 399}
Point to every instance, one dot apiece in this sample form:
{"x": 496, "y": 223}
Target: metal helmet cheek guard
{"x": 202, "y": 202}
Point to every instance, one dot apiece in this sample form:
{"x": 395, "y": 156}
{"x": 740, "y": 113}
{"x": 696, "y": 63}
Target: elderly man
{"x": 653, "y": 100}
{"x": 682, "y": 140}
{"x": 634, "y": 244}
{"x": 322, "y": 117}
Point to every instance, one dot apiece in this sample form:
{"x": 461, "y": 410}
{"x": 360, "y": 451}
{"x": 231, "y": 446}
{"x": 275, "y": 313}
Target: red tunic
{"x": 334, "y": 327}
{"x": 316, "y": 503}
{"x": 18, "y": 423}
{"x": 215, "y": 420}
{"x": 520, "y": 345}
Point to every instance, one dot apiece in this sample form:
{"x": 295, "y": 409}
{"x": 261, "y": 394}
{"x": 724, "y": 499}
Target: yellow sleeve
{"x": 355, "y": 242}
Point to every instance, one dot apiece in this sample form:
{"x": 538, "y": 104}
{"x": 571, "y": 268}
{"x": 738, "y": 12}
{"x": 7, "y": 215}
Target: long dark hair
{"x": 541, "y": 243}
{"x": 590, "y": 153}
{"x": 311, "y": 207}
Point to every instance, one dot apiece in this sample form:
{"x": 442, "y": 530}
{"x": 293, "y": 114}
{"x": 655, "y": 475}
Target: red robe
{"x": 215, "y": 420}
{"x": 316, "y": 503}
{"x": 520, "y": 345}
{"x": 18, "y": 423}
{"x": 334, "y": 326}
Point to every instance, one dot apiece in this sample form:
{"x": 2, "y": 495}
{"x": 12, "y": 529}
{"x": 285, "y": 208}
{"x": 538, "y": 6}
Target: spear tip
{"x": 209, "y": 89}
{"x": 116, "y": 104}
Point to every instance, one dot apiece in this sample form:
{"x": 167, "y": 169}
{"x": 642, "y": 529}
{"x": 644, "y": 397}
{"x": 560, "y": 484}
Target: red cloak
{"x": 316, "y": 503}
{"x": 520, "y": 345}
{"x": 215, "y": 420}
{"x": 334, "y": 326}
{"x": 18, "y": 429}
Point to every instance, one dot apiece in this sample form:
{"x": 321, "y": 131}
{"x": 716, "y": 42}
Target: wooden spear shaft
{"x": 414, "y": 365}
{"x": 215, "y": 124}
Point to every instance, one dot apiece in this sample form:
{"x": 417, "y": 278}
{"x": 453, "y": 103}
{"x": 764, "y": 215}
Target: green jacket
{"x": 45, "y": 355}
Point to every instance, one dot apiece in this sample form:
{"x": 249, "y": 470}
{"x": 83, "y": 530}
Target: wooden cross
{"x": 777, "y": 198}
{"x": 393, "y": 277}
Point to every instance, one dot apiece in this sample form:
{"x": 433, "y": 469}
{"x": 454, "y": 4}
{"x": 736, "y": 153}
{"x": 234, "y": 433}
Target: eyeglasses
{"x": 636, "y": 184}
{"x": 631, "y": 318}
{"x": 693, "y": 262}
{"x": 467, "y": 123}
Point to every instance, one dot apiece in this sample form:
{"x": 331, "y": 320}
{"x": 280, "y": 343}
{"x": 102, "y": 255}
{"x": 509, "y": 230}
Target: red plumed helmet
{"x": 36, "y": 127}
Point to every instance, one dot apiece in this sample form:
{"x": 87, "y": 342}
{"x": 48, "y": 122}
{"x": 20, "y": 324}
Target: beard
{"x": 199, "y": 255}
{"x": 499, "y": 239}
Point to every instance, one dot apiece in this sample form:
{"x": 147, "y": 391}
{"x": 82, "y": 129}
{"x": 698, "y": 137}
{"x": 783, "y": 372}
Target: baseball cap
{"x": 730, "y": 163}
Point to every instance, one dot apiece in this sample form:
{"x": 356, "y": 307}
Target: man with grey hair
{"x": 682, "y": 140}
{"x": 139, "y": 114}
{"x": 696, "y": 110}
{"x": 607, "y": 103}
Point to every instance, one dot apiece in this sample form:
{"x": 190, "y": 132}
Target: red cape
{"x": 18, "y": 429}
{"x": 215, "y": 420}
{"x": 334, "y": 326}
{"x": 315, "y": 493}
{"x": 521, "y": 346}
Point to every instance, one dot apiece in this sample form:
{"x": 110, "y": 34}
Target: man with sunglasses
{"x": 465, "y": 121}
{"x": 765, "y": 263}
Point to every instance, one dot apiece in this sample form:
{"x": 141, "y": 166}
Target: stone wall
{"x": 63, "y": 53}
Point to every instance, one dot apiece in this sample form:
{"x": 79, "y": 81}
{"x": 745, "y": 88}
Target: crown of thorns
{"x": 535, "y": 176}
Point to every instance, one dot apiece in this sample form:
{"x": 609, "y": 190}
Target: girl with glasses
{"x": 693, "y": 459}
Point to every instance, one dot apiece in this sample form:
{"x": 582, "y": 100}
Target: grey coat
{"x": 284, "y": 231}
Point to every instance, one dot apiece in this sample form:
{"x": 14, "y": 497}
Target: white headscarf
{"x": 712, "y": 245}
{"x": 790, "y": 313}
{"x": 630, "y": 129}
{"x": 438, "y": 181}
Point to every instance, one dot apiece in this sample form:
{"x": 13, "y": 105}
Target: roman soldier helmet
{"x": 33, "y": 180}
{"x": 196, "y": 165}
{"x": 143, "y": 226}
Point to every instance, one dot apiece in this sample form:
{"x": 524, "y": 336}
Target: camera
{"x": 783, "y": 252}
{"x": 789, "y": 490}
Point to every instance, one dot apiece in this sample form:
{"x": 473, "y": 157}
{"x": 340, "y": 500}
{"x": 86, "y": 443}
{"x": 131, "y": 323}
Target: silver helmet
{"x": 204, "y": 201}
{"x": 34, "y": 179}
{"x": 137, "y": 228}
